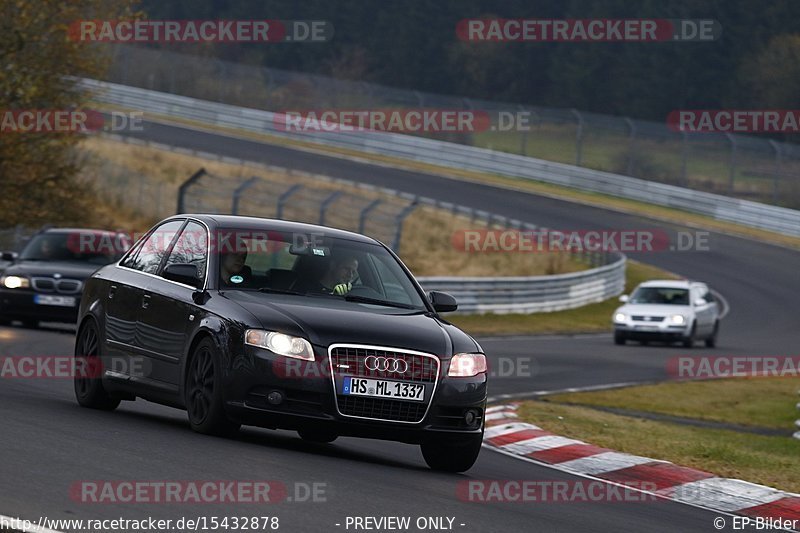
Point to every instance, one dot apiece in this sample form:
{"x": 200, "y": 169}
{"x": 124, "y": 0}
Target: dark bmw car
{"x": 247, "y": 321}
{"x": 44, "y": 282}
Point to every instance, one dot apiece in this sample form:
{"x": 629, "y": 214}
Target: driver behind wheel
{"x": 339, "y": 277}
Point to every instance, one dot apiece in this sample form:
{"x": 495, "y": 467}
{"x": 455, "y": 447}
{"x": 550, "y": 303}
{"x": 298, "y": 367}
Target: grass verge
{"x": 592, "y": 318}
{"x": 757, "y": 402}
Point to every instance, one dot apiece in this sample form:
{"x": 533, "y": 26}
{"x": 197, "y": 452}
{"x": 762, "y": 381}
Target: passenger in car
{"x": 233, "y": 271}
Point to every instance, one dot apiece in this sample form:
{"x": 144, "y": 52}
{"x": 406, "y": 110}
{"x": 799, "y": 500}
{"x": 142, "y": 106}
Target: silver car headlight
{"x": 677, "y": 320}
{"x": 280, "y": 343}
{"x": 15, "y": 282}
{"x": 619, "y": 317}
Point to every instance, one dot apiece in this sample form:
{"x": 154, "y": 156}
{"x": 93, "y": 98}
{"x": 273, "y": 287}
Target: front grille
{"x": 395, "y": 410}
{"x": 421, "y": 368}
{"x": 350, "y": 361}
{"x": 642, "y": 318}
{"x": 62, "y": 286}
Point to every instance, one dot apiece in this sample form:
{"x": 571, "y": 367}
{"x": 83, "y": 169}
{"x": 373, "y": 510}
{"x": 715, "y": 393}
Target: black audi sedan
{"x": 249, "y": 321}
{"x": 44, "y": 282}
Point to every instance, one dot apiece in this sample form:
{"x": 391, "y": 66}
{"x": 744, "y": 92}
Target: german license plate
{"x": 60, "y": 301}
{"x": 381, "y": 388}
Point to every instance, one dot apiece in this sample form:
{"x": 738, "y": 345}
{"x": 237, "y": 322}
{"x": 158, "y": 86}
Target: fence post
{"x": 284, "y": 197}
{"x": 400, "y": 219}
{"x": 732, "y": 163}
{"x": 684, "y": 158}
{"x": 578, "y": 137}
{"x": 184, "y": 186}
{"x": 323, "y": 208}
{"x": 362, "y": 218}
{"x": 777, "y": 171}
{"x": 631, "y": 144}
{"x": 237, "y": 194}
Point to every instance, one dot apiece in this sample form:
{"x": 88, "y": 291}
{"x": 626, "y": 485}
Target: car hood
{"x": 654, "y": 309}
{"x": 325, "y": 321}
{"x": 67, "y": 269}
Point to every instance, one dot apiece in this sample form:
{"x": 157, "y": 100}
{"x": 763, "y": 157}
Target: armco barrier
{"x": 451, "y": 155}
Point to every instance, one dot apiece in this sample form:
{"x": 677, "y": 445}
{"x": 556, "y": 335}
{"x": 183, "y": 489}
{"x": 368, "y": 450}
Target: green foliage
{"x": 36, "y": 57}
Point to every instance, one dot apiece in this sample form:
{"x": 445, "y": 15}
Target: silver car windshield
{"x": 660, "y": 295}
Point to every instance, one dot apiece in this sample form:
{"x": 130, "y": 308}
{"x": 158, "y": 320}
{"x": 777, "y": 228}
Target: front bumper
{"x": 650, "y": 331}
{"x": 308, "y": 401}
{"x": 19, "y": 304}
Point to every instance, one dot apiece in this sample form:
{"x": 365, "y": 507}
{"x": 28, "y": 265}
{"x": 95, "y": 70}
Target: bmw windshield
{"x": 96, "y": 248}
{"x": 314, "y": 265}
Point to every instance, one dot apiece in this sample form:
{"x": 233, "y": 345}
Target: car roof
{"x": 228, "y": 222}
{"x": 672, "y": 283}
{"x": 80, "y": 230}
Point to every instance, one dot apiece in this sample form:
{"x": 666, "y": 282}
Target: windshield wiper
{"x": 365, "y": 300}
{"x": 278, "y": 291}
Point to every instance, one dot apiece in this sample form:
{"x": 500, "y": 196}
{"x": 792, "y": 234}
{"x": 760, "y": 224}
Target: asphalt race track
{"x": 49, "y": 443}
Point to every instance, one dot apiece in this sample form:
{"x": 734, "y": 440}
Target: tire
{"x": 317, "y": 435}
{"x": 203, "y": 393}
{"x": 711, "y": 342}
{"x": 688, "y": 342}
{"x": 447, "y": 455}
{"x": 619, "y": 338}
{"x": 88, "y": 385}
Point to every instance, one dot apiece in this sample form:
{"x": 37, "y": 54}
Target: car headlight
{"x": 466, "y": 365}
{"x": 279, "y": 343}
{"x": 15, "y": 282}
{"x": 619, "y": 317}
{"x": 678, "y": 320}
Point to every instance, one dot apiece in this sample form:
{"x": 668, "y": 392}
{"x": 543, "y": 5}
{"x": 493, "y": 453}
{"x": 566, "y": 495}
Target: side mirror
{"x": 183, "y": 273}
{"x": 442, "y": 302}
{"x": 9, "y": 256}
{"x": 700, "y": 302}
{"x": 624, "y": 298}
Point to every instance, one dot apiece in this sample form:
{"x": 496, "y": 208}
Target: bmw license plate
{"x": 382, "y": 388}
{"x": 60, "y": 301}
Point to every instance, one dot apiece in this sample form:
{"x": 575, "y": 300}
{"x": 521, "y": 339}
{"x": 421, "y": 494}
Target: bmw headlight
{"x": 678, "y": 320}
{"x": 15, "y": 282}
{"x": 619, "y": 317}
{"x": 467, "y": 365}
{"x": 280, "y": 343}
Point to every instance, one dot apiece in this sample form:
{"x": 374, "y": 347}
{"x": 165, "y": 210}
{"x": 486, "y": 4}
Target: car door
{"x": 123, "y": 299}
{"x": 166, "y": 311}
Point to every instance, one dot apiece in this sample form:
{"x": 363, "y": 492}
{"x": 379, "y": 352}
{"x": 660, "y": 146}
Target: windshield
{"x": 86, "y": 247}
{"x": 314, "y": 265}
{"x": 660, "y": 295}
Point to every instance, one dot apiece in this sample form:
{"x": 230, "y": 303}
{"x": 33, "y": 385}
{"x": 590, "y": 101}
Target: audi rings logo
{"x": 386, "y": 364}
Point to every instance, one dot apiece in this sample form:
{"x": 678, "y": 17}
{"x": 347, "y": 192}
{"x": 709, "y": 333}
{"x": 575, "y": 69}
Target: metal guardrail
{"x": 797, "y": 424}
{"x": 451, "y": 155}
{"x": 475, "y": 295}
{"x": 534, "y": 294}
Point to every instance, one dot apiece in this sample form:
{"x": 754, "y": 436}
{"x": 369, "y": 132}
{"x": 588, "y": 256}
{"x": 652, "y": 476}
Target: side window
{"x": 708, "y": 297}
{"x": 191, "y": 247}
{"x": 148, "y": 254}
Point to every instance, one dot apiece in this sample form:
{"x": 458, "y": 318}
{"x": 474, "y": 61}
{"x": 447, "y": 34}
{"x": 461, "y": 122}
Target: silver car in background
{"x": 670, "y": 311}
